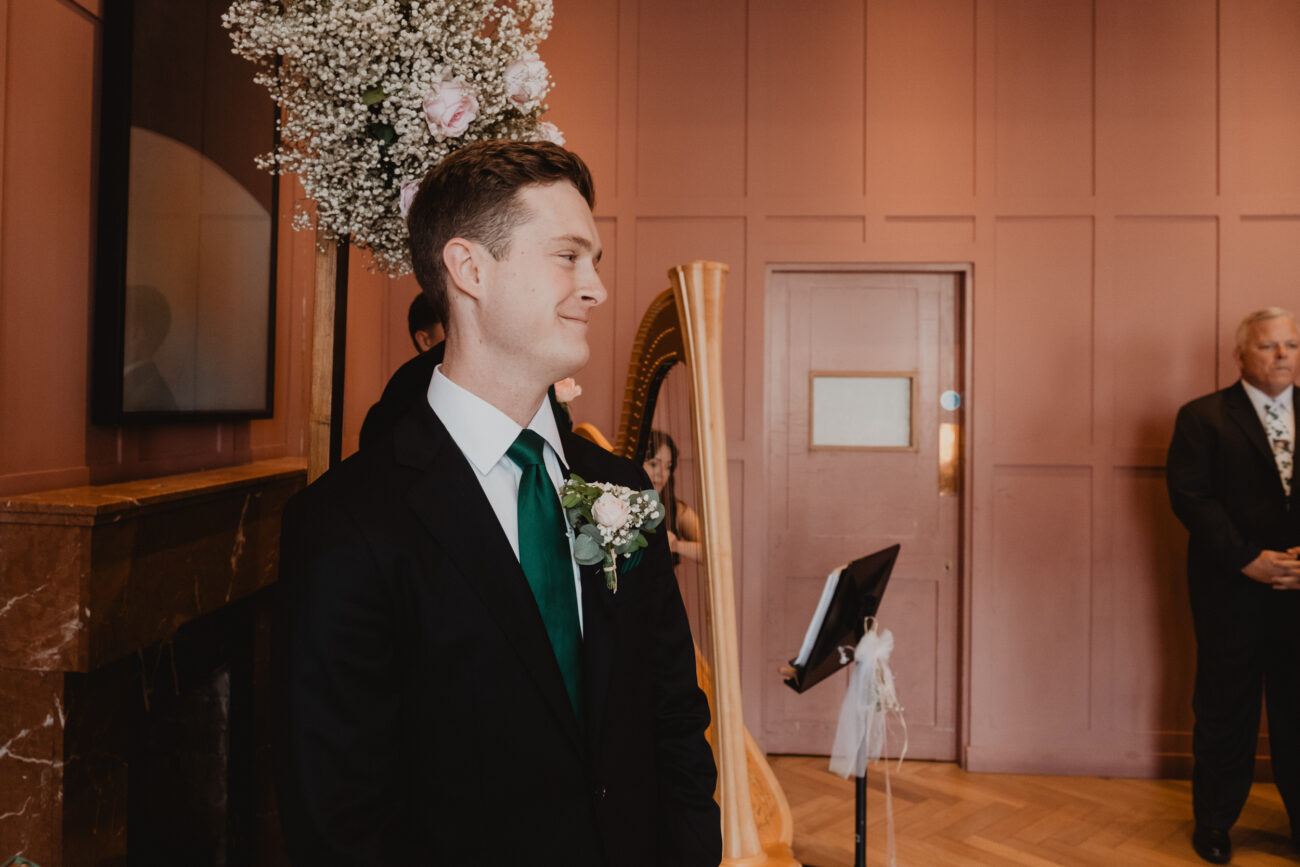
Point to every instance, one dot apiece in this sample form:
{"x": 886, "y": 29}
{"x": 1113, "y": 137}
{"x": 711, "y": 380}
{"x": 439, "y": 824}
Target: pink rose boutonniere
{"x": 449, "y": 108}
{"x": 609, "y": 521}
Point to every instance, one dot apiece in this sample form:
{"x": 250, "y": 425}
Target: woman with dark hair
{"x": 683, "y": 524}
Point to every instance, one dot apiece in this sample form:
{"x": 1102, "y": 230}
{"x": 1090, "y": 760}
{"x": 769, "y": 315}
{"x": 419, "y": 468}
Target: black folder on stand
{"x": 856, "y": 597}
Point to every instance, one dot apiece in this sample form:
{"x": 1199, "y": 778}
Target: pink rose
{"x": 610, "y": 511}
{"x": 449, "y": 107}
{"x": 409, "y": 189}
{"x": 566, "y": 390}
{"x": 547, "y": 131}
{"x": 525, "y": 81}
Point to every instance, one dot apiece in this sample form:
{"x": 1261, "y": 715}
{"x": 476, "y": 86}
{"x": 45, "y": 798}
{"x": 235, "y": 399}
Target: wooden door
{"x": 844, "y": 482}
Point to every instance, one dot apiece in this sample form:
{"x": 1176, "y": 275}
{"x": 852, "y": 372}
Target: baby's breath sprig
{"x": 353, "y": 79}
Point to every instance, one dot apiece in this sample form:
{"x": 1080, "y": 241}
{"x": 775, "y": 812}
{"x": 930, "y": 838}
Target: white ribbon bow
{"x": 860, "y": 735}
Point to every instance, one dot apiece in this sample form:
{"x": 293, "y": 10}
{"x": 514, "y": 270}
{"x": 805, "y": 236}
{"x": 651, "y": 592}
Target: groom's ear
{"x": 463, "y": 259}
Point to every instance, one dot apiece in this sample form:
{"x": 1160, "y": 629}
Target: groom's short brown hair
{"x": 473, "y": 194}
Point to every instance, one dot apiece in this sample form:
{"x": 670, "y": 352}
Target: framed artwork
{"x": 184, "y": 306}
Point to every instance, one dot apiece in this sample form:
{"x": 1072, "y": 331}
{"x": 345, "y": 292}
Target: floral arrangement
{"x": 374, "y": 93}
{"x": 609, "y": 521}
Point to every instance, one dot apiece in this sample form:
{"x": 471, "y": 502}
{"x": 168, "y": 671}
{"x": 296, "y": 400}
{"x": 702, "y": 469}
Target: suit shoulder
{"x": 1208, "y": 404}
{"x": 406, "y": 386}
{"x": 603, "y": 466}
{"x": 354, "y": 487}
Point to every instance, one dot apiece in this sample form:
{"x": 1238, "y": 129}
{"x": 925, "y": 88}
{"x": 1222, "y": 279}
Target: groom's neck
{"x": 494, "y": 380}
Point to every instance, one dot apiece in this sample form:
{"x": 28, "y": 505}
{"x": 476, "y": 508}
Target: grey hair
{"x": 1243, "y": 330}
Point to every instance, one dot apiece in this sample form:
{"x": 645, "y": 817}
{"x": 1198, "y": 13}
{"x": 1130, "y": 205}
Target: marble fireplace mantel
{"x": 88, "y": 577}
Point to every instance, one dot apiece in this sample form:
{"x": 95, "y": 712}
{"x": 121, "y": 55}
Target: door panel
{"x": 830, "y": 506}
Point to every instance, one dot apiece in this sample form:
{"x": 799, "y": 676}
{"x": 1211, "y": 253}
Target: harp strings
{"x": 672, "y": 416}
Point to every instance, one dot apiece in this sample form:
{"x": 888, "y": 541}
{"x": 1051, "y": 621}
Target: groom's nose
{"x": 593, "y": 289}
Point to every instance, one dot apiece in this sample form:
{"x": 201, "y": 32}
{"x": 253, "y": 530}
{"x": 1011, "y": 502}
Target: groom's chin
{"x": 575, "y": 362}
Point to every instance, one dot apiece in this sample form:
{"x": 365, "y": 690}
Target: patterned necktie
{"x": 1280, "y": 440}
{"x": 547, "y": 563}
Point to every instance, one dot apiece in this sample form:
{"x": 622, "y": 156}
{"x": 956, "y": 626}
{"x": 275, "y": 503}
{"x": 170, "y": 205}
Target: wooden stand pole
{"x": 860, "y": 821}
{"x": 328, "y": 350}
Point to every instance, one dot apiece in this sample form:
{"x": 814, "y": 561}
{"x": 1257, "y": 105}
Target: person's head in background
{"x": 1268, "y": 350}
{"x": 660, "y": 463}
{"x": 422, "y": 322}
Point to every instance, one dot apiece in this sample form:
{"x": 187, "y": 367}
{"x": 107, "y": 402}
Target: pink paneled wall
{"x": 1122, "y": 176}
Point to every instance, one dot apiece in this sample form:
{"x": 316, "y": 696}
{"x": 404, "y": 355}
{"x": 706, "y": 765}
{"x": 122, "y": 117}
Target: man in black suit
{"x": 439, "y": 705}
{"x": 410, "y": 380}
{"x": 1231, "y": 483}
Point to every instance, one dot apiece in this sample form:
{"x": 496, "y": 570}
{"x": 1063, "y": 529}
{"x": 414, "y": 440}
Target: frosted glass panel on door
{"x": 861, "y": 411}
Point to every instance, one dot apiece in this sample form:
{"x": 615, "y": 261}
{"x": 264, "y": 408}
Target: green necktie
{"x": 544, "y": 555}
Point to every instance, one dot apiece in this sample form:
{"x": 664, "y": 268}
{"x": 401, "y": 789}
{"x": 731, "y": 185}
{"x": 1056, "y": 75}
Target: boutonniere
{"x": 608, "y": 521}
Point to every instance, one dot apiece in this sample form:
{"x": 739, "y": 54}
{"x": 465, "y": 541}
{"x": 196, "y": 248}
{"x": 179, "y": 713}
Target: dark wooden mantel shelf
{"x": 97, "y": 503}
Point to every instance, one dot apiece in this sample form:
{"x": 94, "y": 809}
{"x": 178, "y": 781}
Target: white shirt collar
{"x": 1260, "y": 399}
{"x": 482, "y": 432}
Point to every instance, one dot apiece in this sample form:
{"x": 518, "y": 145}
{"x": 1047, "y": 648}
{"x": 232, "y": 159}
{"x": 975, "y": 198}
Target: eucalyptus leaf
{"x": 591, "y": 531}
{"x": 586, "y": 550}
{"x": 373, "y": 96}
{"x": 382, "y": 131}
{"x": 651, "y": 523}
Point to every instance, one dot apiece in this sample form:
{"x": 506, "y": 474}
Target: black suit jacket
{"x": 1225, "y": 488}
{"x": 423, "y": 716}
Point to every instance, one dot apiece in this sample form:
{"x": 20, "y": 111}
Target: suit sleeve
{"x": 690, "y": 833}
{"x": 339, "y": 686}
{"x": 1189, "y": 472}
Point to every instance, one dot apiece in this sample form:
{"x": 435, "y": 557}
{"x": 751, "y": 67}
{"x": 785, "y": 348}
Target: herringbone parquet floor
{"x": 944, "y": 816}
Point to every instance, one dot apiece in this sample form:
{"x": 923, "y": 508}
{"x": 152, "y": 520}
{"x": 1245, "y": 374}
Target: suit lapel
{"x": 1295, "y": 449}
{"x": 450, "y": 503}
{"x": 599, "y": 643}
{"x": 1242, "y": 411}
{"x": 599, "y": 629}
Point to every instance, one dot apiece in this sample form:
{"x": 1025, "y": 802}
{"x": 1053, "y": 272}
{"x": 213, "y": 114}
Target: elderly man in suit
{"x": 1231, "y": 483}
{"x": 456, "y": 690}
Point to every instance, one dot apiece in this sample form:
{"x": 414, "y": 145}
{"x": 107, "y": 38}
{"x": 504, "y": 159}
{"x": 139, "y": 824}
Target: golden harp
{"x": 684, "y": 325}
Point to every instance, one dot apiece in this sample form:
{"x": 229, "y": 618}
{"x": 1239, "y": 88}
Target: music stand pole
{"x": 860, "y": 826}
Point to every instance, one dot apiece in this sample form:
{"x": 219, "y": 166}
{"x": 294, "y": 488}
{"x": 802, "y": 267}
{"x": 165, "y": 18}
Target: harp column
{"x": 698, "y": 288}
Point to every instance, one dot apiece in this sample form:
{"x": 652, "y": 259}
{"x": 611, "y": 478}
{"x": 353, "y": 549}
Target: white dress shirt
{"x": 483, "y": 434}
{"x": 1283, "y": 403}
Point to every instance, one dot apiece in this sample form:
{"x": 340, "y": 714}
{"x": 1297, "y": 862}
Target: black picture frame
{"x": 185, "y": 289}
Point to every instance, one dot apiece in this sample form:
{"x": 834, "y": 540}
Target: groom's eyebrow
{"x": 580, "y": 242}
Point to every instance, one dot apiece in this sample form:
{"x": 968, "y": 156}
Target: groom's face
{"x": 542, "y": 290}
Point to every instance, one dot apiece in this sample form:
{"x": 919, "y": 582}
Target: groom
{"x": 455, "y": 689}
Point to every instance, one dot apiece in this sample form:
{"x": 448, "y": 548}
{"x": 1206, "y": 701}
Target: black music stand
{"x": 856, "y": 597}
